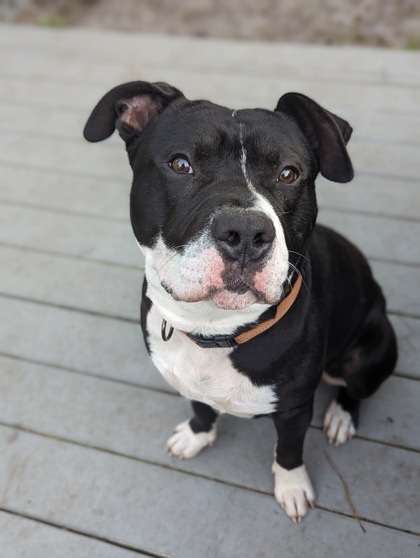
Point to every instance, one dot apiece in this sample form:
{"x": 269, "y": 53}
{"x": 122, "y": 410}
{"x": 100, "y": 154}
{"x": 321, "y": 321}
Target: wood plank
{"x": 74, "y": 156}
{"x": 377, "y": 237}
{"x": 73, "y": 235}
{"x": 78, "y": 284}
{"x": 317, "y": 62}
{"x": 229, "y": 89}
{"x": 136, "y": 421}
{"x": 19, "y": 535}
{"x": 116, "y": 291}
{"x": 101, "y": 346}
{"x": 400, "y": 284}
{"x": 91, "y": 489}
{"x": 381, "y": 195}
{"x": 408, "y": 335}
{"x": 65, "y": 192}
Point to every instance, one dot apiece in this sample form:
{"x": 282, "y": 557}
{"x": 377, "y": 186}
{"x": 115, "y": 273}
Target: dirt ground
{"x": 389, "y": 23}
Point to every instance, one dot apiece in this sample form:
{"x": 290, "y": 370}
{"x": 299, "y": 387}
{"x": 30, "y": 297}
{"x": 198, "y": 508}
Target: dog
{"x": 247, "y": 303}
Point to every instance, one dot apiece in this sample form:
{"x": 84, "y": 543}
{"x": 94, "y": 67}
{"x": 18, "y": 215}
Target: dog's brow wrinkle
{"x": 243, "y": 158}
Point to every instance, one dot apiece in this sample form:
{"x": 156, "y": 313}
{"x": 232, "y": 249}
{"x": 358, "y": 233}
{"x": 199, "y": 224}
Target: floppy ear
{"x": 327, "y": 134}
{"x": 129, "y": 108}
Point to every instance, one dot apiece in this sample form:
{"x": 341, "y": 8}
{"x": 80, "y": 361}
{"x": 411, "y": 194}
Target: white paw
{"x": 338, "y": 424}
{"x": 293, "y": 490}
{"x": 184, "y": 443}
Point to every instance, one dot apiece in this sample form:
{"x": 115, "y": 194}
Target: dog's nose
{"x": 243, "y": 236}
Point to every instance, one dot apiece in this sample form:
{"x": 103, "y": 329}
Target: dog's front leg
{"x": 192, "y": 436}
{"x": 293, "y": 489}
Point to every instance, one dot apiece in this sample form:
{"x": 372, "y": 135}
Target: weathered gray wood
{"x": 238, "y": 91}
{"x": 66, "y": 192}
{"x": 79, "y": 284}
{"x": 318, "y": 62}
{"x": 400, "y": 285}
{"x": 21, "y": 537}
{"x": 89, "y": 489}
{"x": 136, "y": 421}
{"x": 375, "y": 195}
{"x": 102, "y": 346}
{"x": 377, "y": 237}
{"x": 74, "y": 235}
{"x": 408, "y": 334}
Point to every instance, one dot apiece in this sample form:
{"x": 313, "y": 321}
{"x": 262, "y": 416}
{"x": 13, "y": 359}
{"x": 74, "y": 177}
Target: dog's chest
{"x": 206, "y": 375}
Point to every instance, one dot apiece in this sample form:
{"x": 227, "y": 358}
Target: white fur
{"x": 293, "y": 490}
{"x": 206, "y": 375}
{"x": 274, "y": 274}
{"x": 332, "y": 381}
{"x": 185, "y": 444}
{"x": 203, "y": 317}
{"x": 338, "y": 424}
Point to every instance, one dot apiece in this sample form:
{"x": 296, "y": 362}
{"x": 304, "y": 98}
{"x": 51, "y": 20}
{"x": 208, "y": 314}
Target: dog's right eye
{"x": 181, "y": 165}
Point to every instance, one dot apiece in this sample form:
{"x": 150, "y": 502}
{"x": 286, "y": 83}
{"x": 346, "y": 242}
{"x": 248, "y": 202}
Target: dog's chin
{"x": 225, "y": 299}
{"x": 234, "y": 301}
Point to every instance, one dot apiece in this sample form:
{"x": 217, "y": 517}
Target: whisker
{"x": 301, "y": 255}
{"x": 299, "y": 273}
{"x": 166, "y": 262}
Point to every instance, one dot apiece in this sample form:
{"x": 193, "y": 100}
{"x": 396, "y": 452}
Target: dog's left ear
{"x": 327, "y": 134}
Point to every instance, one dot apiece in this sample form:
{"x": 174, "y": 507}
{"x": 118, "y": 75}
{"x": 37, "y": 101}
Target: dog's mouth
{"x": 233, "y": 295}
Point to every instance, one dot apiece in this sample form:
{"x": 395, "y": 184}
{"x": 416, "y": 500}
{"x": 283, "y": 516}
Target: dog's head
{"x": 223, "y": 202}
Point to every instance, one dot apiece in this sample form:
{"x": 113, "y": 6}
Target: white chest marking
{"x": 206, "y": 375}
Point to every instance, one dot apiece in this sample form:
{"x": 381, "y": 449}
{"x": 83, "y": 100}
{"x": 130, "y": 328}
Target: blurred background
{"x": 388, "y": 23}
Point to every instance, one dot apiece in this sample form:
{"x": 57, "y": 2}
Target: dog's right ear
{"x": 129, "y": 108}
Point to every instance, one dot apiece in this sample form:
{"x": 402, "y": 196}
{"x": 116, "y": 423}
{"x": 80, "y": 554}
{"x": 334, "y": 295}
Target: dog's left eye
{"x": 181, "y": 165}
{"x": 288, "y": 175}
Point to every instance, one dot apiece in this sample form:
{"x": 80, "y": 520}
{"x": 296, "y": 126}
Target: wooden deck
{"x": 83, "y": 414}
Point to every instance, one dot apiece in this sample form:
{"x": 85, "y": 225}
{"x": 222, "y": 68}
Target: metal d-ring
{"x": 166, "y": 335}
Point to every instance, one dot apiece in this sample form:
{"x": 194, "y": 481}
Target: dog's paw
{"x": 184, "y": 443}
{"x": 293, "y": 490}
{"x": 338, "y": 424}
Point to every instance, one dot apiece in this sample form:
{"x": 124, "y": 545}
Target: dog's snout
{"x": 243, "y": 236}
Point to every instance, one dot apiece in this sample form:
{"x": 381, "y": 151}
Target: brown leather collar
{"x": 225, "y": 341}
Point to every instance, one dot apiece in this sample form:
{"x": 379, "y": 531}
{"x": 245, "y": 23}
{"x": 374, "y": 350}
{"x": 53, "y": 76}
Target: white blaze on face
{"x": 270, "y": 280}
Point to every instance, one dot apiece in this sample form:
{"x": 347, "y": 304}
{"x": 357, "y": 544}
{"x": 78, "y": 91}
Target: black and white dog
{"x": 246, "y": 303}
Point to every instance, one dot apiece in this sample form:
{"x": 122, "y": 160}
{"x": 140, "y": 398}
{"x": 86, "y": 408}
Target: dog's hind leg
{"x": 362, "y": 369}
{"x": 192, "y": 436}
